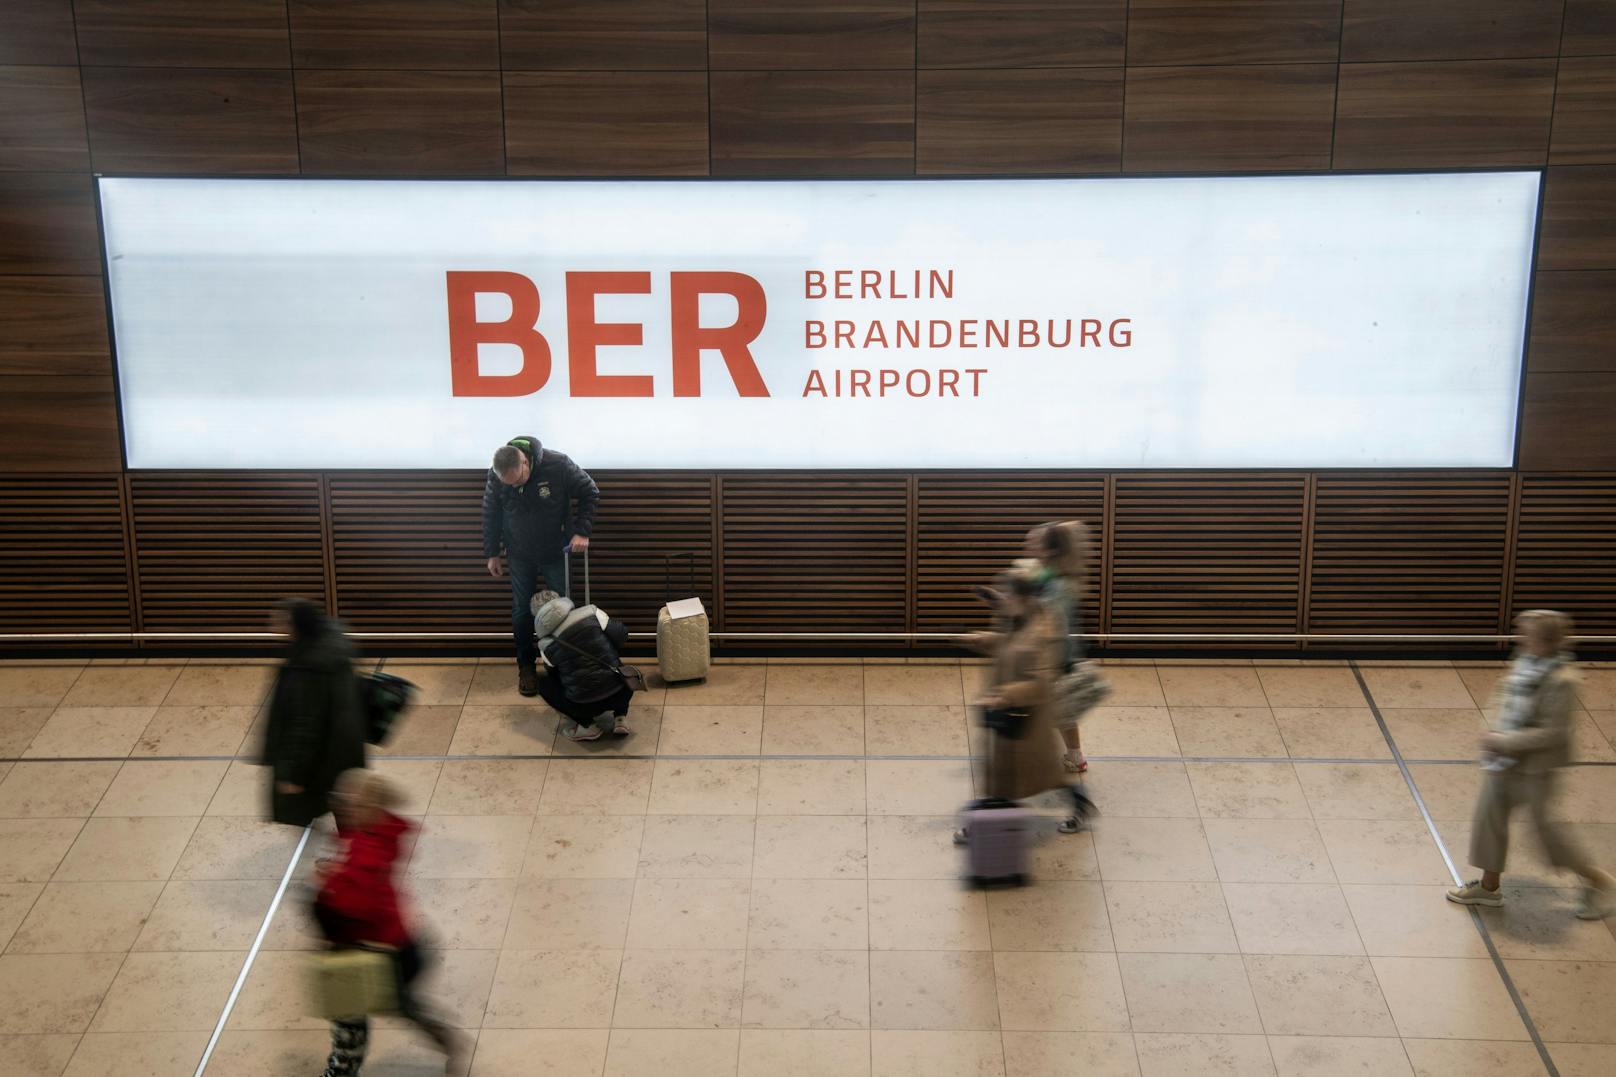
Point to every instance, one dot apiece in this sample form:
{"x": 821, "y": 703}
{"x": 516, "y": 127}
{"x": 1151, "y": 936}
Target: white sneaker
{"x": 1473, "y": 893}
{"x": 620, "y": 728}
{"x": 574, "y": 731}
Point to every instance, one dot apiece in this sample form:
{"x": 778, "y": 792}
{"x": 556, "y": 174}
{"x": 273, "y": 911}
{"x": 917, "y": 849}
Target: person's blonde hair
{"x": 1551, "y": 626}
{"x": 366, "y": 788}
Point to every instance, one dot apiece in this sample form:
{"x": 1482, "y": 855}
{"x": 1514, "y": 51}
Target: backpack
{"x": 382, "y": 698}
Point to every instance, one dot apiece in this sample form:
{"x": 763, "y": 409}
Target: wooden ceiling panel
{"x": 1022, "y": 33}
{"x": 42, "y": 120}
{"x": 813, "y": 123}
{"x": 1579, "y": 218}
{"x": 53, "y": 325}
{"x": 149, "y": 120}
{"x": 589, "y": 35}
{"x": 182, "y": 33}
{"x": 1261, "y": 117}
{"x": 766, "y": 35}
{"x": 431, "y": 123}
{"x": 1449, "y": 29}
{"x": 597, "y": 123}
{"x": 1019, "y": 121}
{"x": 58, "y": 422}
{"x": 1585, "y": 112}
{"x": 418, "y": 35}
{"x": 1573, "y": 322}
{"x": 47, "y": 224}
{"x": 1186, "y": 32}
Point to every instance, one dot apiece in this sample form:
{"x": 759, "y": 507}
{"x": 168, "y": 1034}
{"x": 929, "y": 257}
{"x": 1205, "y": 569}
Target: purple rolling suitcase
{"x": 999, "y": 836}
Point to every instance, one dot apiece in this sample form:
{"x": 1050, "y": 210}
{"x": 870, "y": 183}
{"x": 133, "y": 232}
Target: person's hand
{"x": 493, "y": 566}
{"x": 290, "y": 789}
{"x": 580, "y": 543}
{"x": 1493, "y": 742}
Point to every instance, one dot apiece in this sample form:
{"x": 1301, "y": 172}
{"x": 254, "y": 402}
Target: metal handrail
{"x": 1100, "y": 637}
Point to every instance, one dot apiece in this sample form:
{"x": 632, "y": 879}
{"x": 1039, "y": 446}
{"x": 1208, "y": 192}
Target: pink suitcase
{"x": 998, "y": 842}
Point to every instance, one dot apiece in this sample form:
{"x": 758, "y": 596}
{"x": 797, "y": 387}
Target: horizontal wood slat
{"x": 62, "y": 560}
{"x": 1408, "y": 553}
{"x": 1565, "y": 552}
{"x": 1207, "y": 553}
{"x": 646, "y": 517}
{"x": 216, "y": 551}
{"x": 970, "y": 527}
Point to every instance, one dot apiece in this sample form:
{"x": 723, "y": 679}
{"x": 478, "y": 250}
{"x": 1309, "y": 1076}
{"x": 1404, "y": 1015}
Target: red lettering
{"x": 968, "y": 333}
{"x": 585, "y": 334}
{"x": 948, "y": 380}
{"x": 844, "y": 333}
{"x": 948, "y": 333}
{"x": 813, "y": 284}
{"x": 466, "y": 333}
{"x": 976, "y": 380}
{"x": 816, "y": 383}
{"x": 888, "y": 380}
{"x": 869, "y": 283}
{"x": 876, "y": 335}
{"x": 856, "y": 380}
{"x": 844, "y": 284}
{"x": 925, "y": 384}
{"x": 1001, "y": 330}
{"x": 1122, "y": 327}
{"x": 1029, "y": 333}
{"x": 732, "y": 342}
{"x": 1090, "y": 331}
{"x": 813, "y": 334}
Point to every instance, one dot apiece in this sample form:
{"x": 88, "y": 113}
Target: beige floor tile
{"x": 540, "y": 1052}
{"x": 422, "y": 730}
{"x": 597, "y": 787}
{"x": 1228, "y": 731}
{"x": 195, "y": 730}
{"x": 554, "y": 989}
{"x": 16, "y": 900}
{"x": 1435, "y": 732}
{"x": 916, "y": 847}
{"x": 811, "y": 914}
{"x": 1310, "y": 686}
{"x": 810, "y": 847}
{"x": 504, "y": 729}
{"x": 36, "y": 685}
{"x": 680, "y": 989}
{"x": 90, "y": 731}
{"x": 489, "y": 787}
{"x": 697, "y": 846}
{"x": 915, "y": 730}
{"x": 1462, "y": 1058}
{"x": 1598, "y": 688}
{"x": 1412, "y": 921}
{"x": 1356, "y": 791}
{"x": 1570, "y": 1001}
{"x": 690, "y": 914}
{"x": 244, "y": 791}
{"x": 725, "y": 686}
{"x": 1407, "y": 687}
{"x": 1540, "y": 923}
{"x": 207, "y": 916}
{"x": 1248, "y": 790}
{"x": 1142, "y": 790}
{"x": 152, "y": 787}
{"x": 436, "y": 685}
{"x": 127, "y": 850}
{"x": 1338, "y": 1056}
{"x": 933, "y": 989}
{"x": 1587, "y": 795}
{"x": 463, "y": 914}
{"x": 494, "y": 685}
{"x": 815, "y": 686}
{"x": 274, "y": 997}
{"x": 119, "y": 687}
{"x": 807, "y": 989}
{"x": 585, "y": 846}
{"x": 1133, "y": 686}
{"x": 936, "y": 1054}
{"x": 37, "y": 1055}
{"x": 812, "y": 787}
{"x": 54, "y": 790}
{"x": 1331, "y": 733}
{"x": 270, "y": 1054}
{"x": 1062, "y": 857}
{"x": 471, "y": 847}
{"x": 1188, "y": 993}
{"x": 18, "y": 725}
{"x": 1449, "y": 791}
{"x": 1589, "y": 743}
{"x": 709, "y": 729}
{"x": 927, "y": 914}
{"x": 1210, "y": 686}
{"x": 1114, "y": 730}
{"x": 1173, "y": 918}
{"x": 455, "y": 984}
{"x": 221, "y": 686}
{"x": 1060, "y": 992}
{"x": 672, "y": 1052}
{"x": 1318, "y": 996}
{"x": 137, "y": 1054}
{"x": 31, "y": 849}
{"x": 172, "y": 992}
{"x": 917, "y": 787}
{"x": 53, "y": 993}
{"x": 704, "y": 787}
{"x": 415, "y": 780}
{"x": 1383, "y": 851}
{"x": 804, "y": 1053}
{"x": 1480, "y": 682}
{"x": 225, "y": 847}
{"x": 569, "y": 914}
{"x": 1050, "y": 916}
{"x": 813, "y": 729}
{"x": 1583, "y": 1059}
{"x": 1447, "y": 998}
{"x": 913, "y": 685}
{"x": 1059, "y": 1054}
{"x": 1268, "y": 851}
{"x": 1153, "y": 850}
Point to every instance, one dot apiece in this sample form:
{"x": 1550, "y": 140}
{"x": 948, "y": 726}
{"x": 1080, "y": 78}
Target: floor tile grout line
{"x": 252, "y": 954}
{"x": 1453, "y": 871}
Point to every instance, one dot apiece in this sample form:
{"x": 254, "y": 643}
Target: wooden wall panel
{"x": 970, "y": 526}
{"x": 1019, "y": 121}
{"x": 1449, "y": 29}
{"x": 58, "y": 423}
{"x": 1185, "y": 32}
{"x": 646, "y": 517}
{"x": 47, "y": 224}
{"x": 53, "y": 325}
{"x": 592, "y": 123}
{"x": 1579, "y": 218}
{"x": 1408, "y": 553}
{"x": 420, "y": 35}
{"x": 588, "y": 35}
{"x": 218, "y": 549}
{"x": 431, "y": 123}
{"x": 1566, "y": 422}
{"x": 814, "y": 552}
{"x": 1590, "y": 28}
{"x": 62, "y": 557}
{"x": 1206, "y": 553}
{"x": 149, "y": 120}
{"x": 1440, "y": 115}
{"x": 1565, "y": 553}
{"x": 1585, "y": 112}
{"x": 766, "y": 35}
{"x": 1267, "y": 117}
{"x": 1021, "y": 33}
{"x": 1574, "y": 322}
{"x": 813, "y": 123}
{"x": 182, "y": 33}
{"x": 42, "y": 120}
{"x": 39, "y": 32}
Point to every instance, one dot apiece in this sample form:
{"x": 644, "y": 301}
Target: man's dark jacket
{"x": 534, "y": 521}
{"x": 583, "y": 656}
{"x": 315, "y": 729}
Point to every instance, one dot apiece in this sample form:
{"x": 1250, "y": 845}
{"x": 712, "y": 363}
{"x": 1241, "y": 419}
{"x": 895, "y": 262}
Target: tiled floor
{"x": 760, "y": 881}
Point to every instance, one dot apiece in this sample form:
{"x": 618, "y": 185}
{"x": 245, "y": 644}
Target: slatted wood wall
{"x": 64, "y": 556}
{"x": 1566, "y": 548}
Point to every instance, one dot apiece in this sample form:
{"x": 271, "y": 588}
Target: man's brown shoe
{"x": 527, "y": 681}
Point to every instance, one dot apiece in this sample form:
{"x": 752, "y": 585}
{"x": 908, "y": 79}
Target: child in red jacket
{"x": 358, "y": 905}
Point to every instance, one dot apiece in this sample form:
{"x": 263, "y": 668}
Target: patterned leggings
{"x": 350, "y": 1036}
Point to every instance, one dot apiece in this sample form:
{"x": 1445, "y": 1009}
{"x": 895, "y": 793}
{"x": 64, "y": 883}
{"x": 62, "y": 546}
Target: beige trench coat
{"x": 1026, "y": 663}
